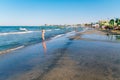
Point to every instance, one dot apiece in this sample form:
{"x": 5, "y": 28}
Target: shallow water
{"x": 102, "y": 37}
{"x": 93, "y": 60}
{"x": 35, "y": 56}
{"x": 96, "y": 60}
{"x": 12, "y": 36}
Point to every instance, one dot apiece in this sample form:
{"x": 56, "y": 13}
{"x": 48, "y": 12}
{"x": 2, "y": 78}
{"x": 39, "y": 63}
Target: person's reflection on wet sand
{"x": 44, "y": 46}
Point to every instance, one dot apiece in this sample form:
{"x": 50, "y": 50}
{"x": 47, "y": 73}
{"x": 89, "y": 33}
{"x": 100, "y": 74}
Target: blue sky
{"x": 37, "y": 12}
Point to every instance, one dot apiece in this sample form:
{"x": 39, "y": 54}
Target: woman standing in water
{"x": 43, "y": 34}
{"x": 43, "y": 41}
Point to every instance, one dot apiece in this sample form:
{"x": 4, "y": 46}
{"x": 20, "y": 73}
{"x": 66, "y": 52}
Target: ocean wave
{"x": 9, "y": 50}
{"x": 58, "y": 36}
{"x": 9, "y": 33}
{"x": 56, "y": 29}
{"x": 25, "y": 32}
{"x": 49, "y": 30}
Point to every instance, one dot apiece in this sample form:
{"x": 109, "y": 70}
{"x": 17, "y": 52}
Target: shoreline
{"x": 95, "y": 35}
{"x": 79, "y": 66}
{"x": 111, "y": 32}
{"x": 67, "y": 59}
{"x": 10, "y": 50}
{"x": 23, "y": 46}
{"x": 25, "y": 38}
{"x": 30, "y": 57}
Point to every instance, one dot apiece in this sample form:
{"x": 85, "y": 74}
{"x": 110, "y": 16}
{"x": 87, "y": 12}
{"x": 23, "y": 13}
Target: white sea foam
{"x": 58, "y": 36}
{"x": 49, "y": 30}
{"x": 9, "y": 50}
{"x": 25, "y": 32}
{"x": 56, "y": 29}
{"x": 9, "y": 33}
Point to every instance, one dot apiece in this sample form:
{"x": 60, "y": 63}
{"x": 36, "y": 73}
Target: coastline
{"x": 9, "y": 50}
{"x": 13, "y": 37}
{"x": 78, "y": 35}
{"x": 20, "y": 47}
{"x": 87, "y": 60}
{"x": 69, "y": 57}
{"x": 111, "y": 32}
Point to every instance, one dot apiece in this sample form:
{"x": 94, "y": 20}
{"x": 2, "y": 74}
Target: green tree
{"x": 111, "y": 23}
{"x": 117, "y": 21}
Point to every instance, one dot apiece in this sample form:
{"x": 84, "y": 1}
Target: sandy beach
{"x": 89, "y": 55}
{"x": 59, "y": 39}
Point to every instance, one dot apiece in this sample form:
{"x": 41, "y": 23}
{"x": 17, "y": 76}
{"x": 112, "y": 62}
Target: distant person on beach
{"x": 43, "y": 34}
{"x": 43, "y": 41}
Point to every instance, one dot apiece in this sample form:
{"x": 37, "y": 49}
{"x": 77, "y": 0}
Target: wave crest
{"x": 9, "y": 33}
{"x": 9, "y": 50}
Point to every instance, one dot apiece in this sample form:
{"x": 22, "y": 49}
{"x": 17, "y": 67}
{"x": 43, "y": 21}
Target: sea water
{"x": 18, "y": 36}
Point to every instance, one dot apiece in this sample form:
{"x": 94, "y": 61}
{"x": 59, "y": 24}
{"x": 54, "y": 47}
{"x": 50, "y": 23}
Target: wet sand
{"x": 87, "y": 60}
{"x": 78, "y": 57}
{"x": 78, "y": 36}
